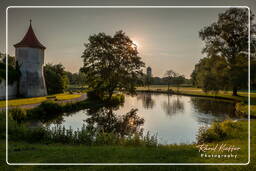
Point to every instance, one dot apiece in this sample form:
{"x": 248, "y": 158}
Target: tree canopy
{"x": 175, "y": 78}
{"x": 226, "y": 49}
{"x": 76, "y": 78}
{"x": 55, "y": 78}
{"x": 111, "y": 63}
{"x": 13, "y": 69}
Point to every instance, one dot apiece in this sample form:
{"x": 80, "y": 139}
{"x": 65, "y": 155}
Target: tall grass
{"x": 60, "y": 134}
{"x": 122, "y": 131}
{"x": 218, "y": 131}
{"x": 18, "y": 114}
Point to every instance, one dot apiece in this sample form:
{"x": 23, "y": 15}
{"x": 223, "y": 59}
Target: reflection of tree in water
{"x": 58, "y": 120}
{"x": 147, "y": 101}
{"x": 214, "y": 107}
{"x": 105, "y": 120}
{"x": 46, "y": 121}
{"x": 174, "y": 106}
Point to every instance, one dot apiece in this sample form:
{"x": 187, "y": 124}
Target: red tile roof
{"x": 30, "y": 40}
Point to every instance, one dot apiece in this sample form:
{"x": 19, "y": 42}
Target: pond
{"x": 174, "y": 119}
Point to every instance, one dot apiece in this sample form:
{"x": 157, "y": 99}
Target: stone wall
{"x": 12, "y": 90}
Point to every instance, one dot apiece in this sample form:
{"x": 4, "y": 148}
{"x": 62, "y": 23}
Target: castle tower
{"x": 29, "y": 54}
{"x": 149, "y": 72}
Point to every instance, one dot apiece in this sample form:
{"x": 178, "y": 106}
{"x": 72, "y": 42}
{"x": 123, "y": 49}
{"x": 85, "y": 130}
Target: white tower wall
{"x": 32, "y": 82}
{"x": 12, "y": 90}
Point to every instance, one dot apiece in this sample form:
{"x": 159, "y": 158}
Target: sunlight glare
{"x": 135, "y": 44}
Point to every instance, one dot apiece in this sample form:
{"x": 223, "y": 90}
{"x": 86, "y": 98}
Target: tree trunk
{"x": 110, "y": 95}
{"x": 234, "y": 91}
{"x": 168, "y": 87}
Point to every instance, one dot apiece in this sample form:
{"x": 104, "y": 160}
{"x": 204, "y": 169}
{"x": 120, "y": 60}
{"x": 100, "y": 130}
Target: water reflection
{"x": 47, "y": 121}
{"x": 105, "y": 120}
{"x": 147, "y": 101}
{"x": 171, "y": 107}
{"x": 187, "y": 115}
{"x": 213, "y": 107}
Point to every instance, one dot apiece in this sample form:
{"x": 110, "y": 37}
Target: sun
{"x": 135, "y": 44}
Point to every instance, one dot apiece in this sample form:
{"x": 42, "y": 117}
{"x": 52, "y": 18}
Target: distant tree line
{"x": 76, "y": 78}
{"x": 225, "y": 66}
{"x": 166, "y": 80}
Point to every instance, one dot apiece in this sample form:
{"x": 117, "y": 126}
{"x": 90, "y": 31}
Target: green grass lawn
{"x": 35, "y": 100}
{"x": 199, "y": 91}
{"x": 21, "y": 152}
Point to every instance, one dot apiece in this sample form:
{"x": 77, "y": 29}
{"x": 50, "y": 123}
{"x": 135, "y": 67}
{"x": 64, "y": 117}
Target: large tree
{"x": 55, "y": 78}
{"x": 170, "y": 74}
{"x": 76, "y": 78}
{"x": 13, "y": 69}
{"x": 211, "y": 74}
{"x": 228, "y": 38}
{"x": 111, "y": 63}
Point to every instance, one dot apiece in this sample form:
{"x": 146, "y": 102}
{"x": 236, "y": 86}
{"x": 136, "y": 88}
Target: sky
{"x": 166, "y": 38}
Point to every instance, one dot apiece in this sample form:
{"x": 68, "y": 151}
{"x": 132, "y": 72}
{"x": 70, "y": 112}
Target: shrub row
{"x": 59, "y": 134}
{"x": 50, "y": 110}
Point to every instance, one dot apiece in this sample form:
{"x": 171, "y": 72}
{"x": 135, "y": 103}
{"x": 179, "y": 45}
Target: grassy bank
{"x": 58, "y": 153}
{"x": 241, "y": 99}
{"x": 243, "y": 95}
{"x": 21, "y": 151}
{"x": 35, "y": 100}
{"x": 51, "y": 110}
{"x": 24, "y": 152}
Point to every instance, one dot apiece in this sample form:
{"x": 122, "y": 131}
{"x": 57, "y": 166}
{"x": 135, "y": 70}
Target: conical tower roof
{"x": 30, "y": 40}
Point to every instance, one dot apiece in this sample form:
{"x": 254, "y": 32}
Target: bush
{"x": 230, "y": 128}
{"x": 116, "y": 99}
{"x": 72, "y": 107}
{"x": 18, "y": 114}
{"x": 2, "y": 125}
{"x": 94, "y": 95}
{"x": 218, "y": 131}
{"x": 46, "y": 111}
{"x": 85, "y": 135}
{"x": 241, "y": 109}
{"x": 107, "y": 139}
{"x": 150, "y": 140}
{"x": 51, "y": 110}
{"x": 120, "y": 130}
{"x": 17, "y": 131}
{"x": 59, "y": 134}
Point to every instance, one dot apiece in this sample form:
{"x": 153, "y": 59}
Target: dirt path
{"x": 30, "y": 106}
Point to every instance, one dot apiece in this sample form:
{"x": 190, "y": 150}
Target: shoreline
{"x": 33, "y": 105}
{"x": 236, "y": 101}
{"x": 188, "y": 94}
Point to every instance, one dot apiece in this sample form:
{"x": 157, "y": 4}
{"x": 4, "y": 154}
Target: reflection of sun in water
{"x": 135, "y": 44}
